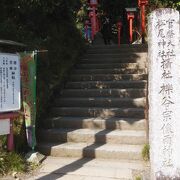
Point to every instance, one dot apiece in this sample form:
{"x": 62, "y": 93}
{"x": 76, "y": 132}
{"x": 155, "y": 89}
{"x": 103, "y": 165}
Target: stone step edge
{"x": 110, "y": 163}
{"x": 87, "y": 168}
{"x": 95, "y": 123}
{"x": 100, "y": 151}
{"x": 102, "y": 98}
{"x": 92, "y": 136}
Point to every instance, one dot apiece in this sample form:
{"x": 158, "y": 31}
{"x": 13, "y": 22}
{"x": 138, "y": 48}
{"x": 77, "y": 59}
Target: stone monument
{"x": 164, "y": 93}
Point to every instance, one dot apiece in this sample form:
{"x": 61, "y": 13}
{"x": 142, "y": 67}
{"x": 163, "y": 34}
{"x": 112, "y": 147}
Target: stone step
{"x": 116, "y": 50}
{"x": 96, "y": 123}
{"x": 100, "y": 102}
{"x": 111, "y": 65}
{"x": 114, "y": 55}
{"x": 105, "y": 84}
{"x": 118, "y": 93}
{"x": 59, "y": 175}
{"x": 98, "y": 112}
{"x": 109, "y": 71}
{"x": 102, "y": 151}
{"x": 93, "y": 136}
{"x": 108, "y": 77}
{"x": 123, "y": 47}
{"x": 89, "y": 169}
{"x": 109, "y": 60}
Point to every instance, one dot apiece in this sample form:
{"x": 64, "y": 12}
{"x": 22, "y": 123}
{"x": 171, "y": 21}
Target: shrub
{"x": 11, "y": 162}
{"x": 145, "y": 152}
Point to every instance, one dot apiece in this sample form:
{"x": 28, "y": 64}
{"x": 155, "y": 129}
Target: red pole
{"x": 94, "y": 20}
{"x": 119, "y": 24}
{"x": 130, "y": 17}
{"x": 97, "y": 24}
{"x": 10, "y": 140}
{"x": 119, "y": 38}
{"x": 92, "y": 24}
{"x": 143, "y": 24}
{"x": 130, "y": 29}
{"x": 86, "y": 31}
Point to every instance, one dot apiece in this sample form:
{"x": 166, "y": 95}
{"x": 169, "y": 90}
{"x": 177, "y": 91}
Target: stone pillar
{"x": 164, "y": 93}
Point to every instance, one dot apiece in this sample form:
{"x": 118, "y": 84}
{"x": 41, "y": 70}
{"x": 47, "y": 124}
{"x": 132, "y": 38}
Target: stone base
{"x": 161, "y": 176}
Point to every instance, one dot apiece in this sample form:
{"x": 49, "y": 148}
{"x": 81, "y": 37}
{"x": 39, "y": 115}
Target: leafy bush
{"x": 42, "y": 25}
{"x": 145, "y": 152}
{"x": 138, "y": 178}
{"x": 11, "y": 162}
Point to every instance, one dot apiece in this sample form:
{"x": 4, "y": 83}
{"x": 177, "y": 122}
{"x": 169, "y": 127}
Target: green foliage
{"x": 138, "y": 178}
{"x": 51, "y": 25}
{"x": 32, "y": 22}
{"x": 116, "y": 8}
{"x": 154, "y": 4}
{"x": 145, "y": 152}
{"x": 3, "y": 140}
{"x": 20, "y": 142}
{"x": 19, "y": 137}
{"x": 11, "y": 162}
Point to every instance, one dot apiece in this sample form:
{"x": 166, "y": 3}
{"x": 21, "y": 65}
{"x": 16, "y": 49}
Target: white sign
{"x": 164, "y": 93}
{"x": 4, "y": 126}
{"x": 9, "y": 82}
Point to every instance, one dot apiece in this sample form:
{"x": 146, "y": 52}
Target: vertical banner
{"x": 28, "y": 77}
{"x": 164, "y": 93}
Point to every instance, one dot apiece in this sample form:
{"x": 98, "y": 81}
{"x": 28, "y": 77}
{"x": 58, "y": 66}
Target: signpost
{"x": 164, "y": 93}
{"x": 10, "y": 100}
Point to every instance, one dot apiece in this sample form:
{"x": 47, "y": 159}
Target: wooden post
{"x": 94, "y": 20}
{"x": 130, "y": 29}
{"x": 143, "y": 24}
{"x": 93, "y": 4}
{"x": 10, "y": 142}
{"x": 119, "y": 26}
{"x": 130, "y": 18}
{"x": 86, "y": 29}
{"x": 92, "y": 25}
{"x": 142, "y": 4}
{"x": 10, "y": 137}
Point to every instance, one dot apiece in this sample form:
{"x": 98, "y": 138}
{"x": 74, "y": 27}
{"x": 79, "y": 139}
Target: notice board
{"x": 10, "y": 99}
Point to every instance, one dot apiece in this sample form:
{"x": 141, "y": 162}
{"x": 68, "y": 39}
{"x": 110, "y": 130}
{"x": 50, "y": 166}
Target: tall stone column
{"x": 164, "y": 93}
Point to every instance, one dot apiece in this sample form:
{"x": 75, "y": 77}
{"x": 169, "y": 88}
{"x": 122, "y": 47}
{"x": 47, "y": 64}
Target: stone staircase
{"x": 100, "y": 112}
